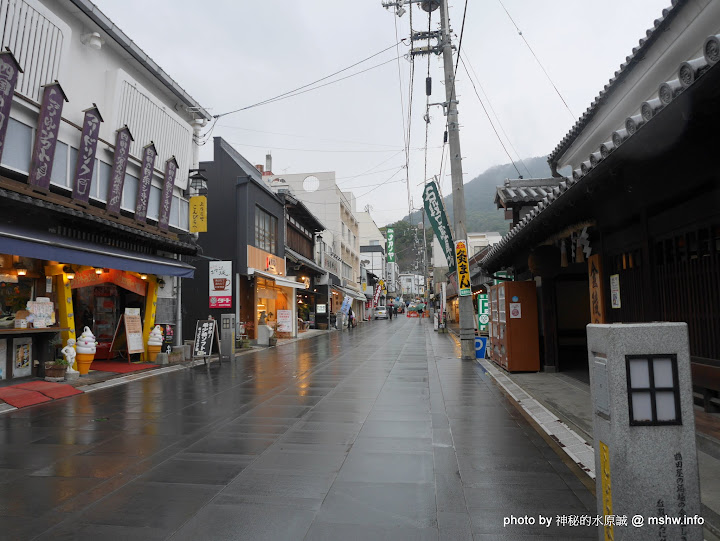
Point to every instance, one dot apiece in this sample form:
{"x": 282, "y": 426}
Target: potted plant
{"x": 56, "y": 369}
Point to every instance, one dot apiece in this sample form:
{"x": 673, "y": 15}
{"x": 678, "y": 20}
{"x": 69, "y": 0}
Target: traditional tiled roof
{"x": 688, "y": 73}
{"x": 651, "y": 35}
{"x": 525, "y": 191}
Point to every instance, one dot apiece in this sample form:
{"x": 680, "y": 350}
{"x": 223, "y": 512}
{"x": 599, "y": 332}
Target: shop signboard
{"x": 220, "y": 273}
{"x": 204, "y": 334}
{"x": 9, "y": 70}
{"x": 435, "y": 211}
{"x": 463, "y": 268}
{"x": 198, "y": 214}
{"x": 390, "y": 245}
{"x": 124, "y": 279}
{"x": 46, "y": 135}
{"x": 483, "y": 312}
{"x": 321, "y": 308}
{"x": 597, "y": 293}
{"x": 85, "y": 165}
{"x": 133, "y": 330}
{"x": 22, "y": 357}
{"x": 166, "y": 198}
{"x": 615, "y": 291}
{"x": 123, "y": 138}
{"x": 146, "y": 175}
{"x": 347, "y": 301}
{"x": 284, "y": 321}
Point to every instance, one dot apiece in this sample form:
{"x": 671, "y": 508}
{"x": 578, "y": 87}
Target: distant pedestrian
{"x": 390, "y": 311}
{"x": 394, "y": 309}
{"x": 351, "y": 319}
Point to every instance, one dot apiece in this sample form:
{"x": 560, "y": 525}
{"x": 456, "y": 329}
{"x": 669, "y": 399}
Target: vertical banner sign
{"x": 390, "y": 248}
{"x": 46, "y": 136}
{"x": 376, "y": 297}
{"x": 146, "y": 174}
{"x": 597, "y": 295}
{"x": 606, "y": 484}
{"x": 220, "y": 273}
{"x": 86, "y": 155}
{"x": 123, "y": 138}
{"x": 167, "y": 193}
{"x": 483, "y": 312}
{"x": 435, "y": 211}
{"x": 198, "y": 214}
{"x": 463, "y": 268}
{"x": 9, "y": 70}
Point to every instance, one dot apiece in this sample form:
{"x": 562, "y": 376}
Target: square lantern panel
{"x": 653, "y": 390}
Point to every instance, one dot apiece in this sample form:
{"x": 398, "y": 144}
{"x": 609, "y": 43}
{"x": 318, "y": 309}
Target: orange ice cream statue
{"x": 155, "y": 341}
{"x": 85, "y": 348}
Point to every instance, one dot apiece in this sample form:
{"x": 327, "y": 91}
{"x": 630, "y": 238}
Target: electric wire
{"x": 295, "y": 91}
{"x": 538, "y": 60}
{"x": 487, "y": 99}
{"x": 462, "y": 60}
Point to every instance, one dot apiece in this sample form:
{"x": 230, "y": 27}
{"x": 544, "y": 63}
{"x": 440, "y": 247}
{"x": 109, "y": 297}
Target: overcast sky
{"x": 229, "y": 54}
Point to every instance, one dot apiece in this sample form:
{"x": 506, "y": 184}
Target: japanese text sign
{"x": 597, "y": 290}
{"x": 146, "y": 174}
{"x": 167, "y": 193}
{"x": 438, "y": 220}
{"x": 198, "y": 214}
{"x": 463, "y": 268}
{"x": 86, "y": 155}
{"x": 220, "y": 273}
{"x": 123, "y": 138}
{"x": 46, "y": 136}
{"x": 9, "y": 70}
{"x": 390, "y": 245}
{"x": 204, "y": 334}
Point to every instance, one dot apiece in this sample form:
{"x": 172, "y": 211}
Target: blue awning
{"x": 25, "y": 242}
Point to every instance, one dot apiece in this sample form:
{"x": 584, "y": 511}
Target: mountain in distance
{"x": 481, "y": 212}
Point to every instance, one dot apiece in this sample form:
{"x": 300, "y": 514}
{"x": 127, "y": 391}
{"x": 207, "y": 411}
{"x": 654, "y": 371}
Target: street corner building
{"x": 96, "y": 142}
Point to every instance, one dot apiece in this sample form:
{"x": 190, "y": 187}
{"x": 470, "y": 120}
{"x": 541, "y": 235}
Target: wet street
{"x": 375, "y": 433}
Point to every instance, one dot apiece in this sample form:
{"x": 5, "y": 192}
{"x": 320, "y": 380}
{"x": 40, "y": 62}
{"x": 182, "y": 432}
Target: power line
{"x": 538, "y": 61}
{"x": 488, "y": 116}
{"x": 295, "y": 92}
{"x": 487, "y": 98}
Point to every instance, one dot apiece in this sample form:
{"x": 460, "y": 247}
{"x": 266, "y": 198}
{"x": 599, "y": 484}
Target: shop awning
{"x": 26, "y": 242}
{"x": 279, "y": 280}
{"x": 354, "y": 294}
{"x": 304, "y": 260}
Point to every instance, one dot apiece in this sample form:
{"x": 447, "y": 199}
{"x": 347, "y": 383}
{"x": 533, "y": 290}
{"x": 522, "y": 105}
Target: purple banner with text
{"x": 167, "y": 193}
{"x": 146, "y": 174}
{"x": 86, "y": 155}
{"x": 46, "y": 135}
{"x": 123, "y": 138}
{"x": 9, "y": 70}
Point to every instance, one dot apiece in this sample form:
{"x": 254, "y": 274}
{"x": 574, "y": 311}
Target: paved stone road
{"x": 375, "y": 433}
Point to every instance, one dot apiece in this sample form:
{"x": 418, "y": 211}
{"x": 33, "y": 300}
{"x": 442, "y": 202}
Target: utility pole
{"x": 467, "y": 328}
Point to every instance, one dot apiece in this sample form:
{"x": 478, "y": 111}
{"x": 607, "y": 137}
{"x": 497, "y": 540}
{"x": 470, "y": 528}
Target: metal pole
{"x": 467, "y": 332}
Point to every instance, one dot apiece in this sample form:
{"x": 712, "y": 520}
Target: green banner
{"x": 435, "y": 211}
{"x": 390, "y": 245}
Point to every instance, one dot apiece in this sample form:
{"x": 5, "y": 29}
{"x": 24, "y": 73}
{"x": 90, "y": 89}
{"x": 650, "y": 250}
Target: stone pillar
{"x": 644, "y": 431}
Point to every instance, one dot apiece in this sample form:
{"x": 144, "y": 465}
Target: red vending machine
{"x": 514, "y": 326}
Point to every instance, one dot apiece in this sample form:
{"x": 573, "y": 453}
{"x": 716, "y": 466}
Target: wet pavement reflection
{"x": 375, "y": 433}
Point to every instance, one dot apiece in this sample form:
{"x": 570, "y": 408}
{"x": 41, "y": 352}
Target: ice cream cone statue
{"x": 155, "y": 343}
{"x": 85, "y": 348}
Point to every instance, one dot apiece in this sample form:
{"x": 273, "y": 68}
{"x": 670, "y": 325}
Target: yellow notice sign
{"x": 606, "y": 489}
{"x": 198, "y": 214}
{"x": 463, "y": 268}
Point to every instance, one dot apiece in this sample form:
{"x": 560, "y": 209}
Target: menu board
{"x": 134, "y": 331}
{"x": 284, "y": 321}
{"x": 204, "y": 334}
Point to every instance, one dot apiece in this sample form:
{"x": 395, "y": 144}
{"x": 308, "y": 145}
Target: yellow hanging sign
{"x": 198, "y": 214}
{"x": 463, "y": 268}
